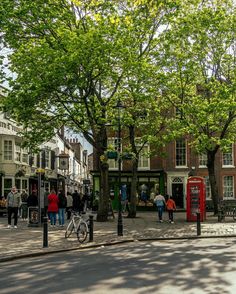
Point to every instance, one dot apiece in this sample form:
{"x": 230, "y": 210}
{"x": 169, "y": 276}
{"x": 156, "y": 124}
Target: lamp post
{"x": 119, "y": 106}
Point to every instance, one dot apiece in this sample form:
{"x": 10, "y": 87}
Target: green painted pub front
{"x": 149, "y": 183}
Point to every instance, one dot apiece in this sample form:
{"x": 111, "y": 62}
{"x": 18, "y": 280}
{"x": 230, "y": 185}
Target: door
{"x": 177, "y": 193}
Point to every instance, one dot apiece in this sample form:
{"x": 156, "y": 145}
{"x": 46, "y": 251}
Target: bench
{"x": 226, "y": 209}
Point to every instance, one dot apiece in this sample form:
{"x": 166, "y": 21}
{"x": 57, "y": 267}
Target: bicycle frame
{"x": 75, "y": 224}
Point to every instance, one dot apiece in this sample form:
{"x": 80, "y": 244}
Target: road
{"x": 186, "y": 266}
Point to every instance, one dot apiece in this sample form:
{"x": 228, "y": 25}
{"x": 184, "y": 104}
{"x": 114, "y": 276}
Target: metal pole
{"x": 45, "y": 232}
{"x": 91, "y": 228}
{"x": 120, "y": 222}
{"x": 39, "y": 197}
{"x": 198, "y": 224}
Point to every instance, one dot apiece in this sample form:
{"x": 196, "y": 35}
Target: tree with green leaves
{"x": 199, "y": 77}
{"x": 145, "y": 120}
{"x": 69, "y": 59}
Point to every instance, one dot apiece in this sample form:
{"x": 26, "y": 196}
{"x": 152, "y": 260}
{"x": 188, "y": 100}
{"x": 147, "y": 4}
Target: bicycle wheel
{"x": 69, "y": 229}
{"x": 82, "y": 232}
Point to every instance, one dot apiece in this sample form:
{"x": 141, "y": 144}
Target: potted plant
{"x": 111, "y": 153}
{"x": 127, "y": 154}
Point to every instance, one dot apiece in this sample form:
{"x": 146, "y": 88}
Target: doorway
{"x": 177, "y": 194}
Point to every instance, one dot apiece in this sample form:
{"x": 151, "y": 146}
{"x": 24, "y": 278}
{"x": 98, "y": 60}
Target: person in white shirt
{"x": 160, "y": 202}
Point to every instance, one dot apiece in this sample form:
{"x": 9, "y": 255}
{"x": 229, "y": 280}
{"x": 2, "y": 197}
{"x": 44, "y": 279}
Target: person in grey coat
{"x": 13, "y": 204}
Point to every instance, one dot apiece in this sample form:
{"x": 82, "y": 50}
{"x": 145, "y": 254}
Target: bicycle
{"x": 77, "y": 225}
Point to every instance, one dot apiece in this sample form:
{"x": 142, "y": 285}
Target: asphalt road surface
{"x": 185, "y": 266}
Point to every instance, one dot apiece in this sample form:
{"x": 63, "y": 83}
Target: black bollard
{"x": 45, "y": 232}
{"x": 91, "y": 228}
{"x": 198, "y": 224}
{"x": 120, "y": 224}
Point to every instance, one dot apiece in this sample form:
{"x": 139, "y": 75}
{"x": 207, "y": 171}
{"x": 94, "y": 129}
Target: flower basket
{"x": 127, "y": 156}
{"x": 112, "y": 154}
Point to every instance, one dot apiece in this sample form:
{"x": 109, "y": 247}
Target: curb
{"x": 105, "y": 244}
{"x": 41, "y": 253}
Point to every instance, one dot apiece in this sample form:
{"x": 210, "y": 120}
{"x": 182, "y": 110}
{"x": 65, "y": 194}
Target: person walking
{"x": 62, "y": 202}
{"x": 85, "y": 202}
{"x": 171, "y": 207}
{"x": 160, "y": 202}
{"x": 123, "y": 197}
{"x": 69, "y": 205}
{"x": 53, "y": 207}
{"x": 24, "y": 207}
{"x": 76, "y": 201}
{"x": 13, "y": 204}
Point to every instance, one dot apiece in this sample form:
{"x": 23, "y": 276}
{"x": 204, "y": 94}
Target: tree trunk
{"x": 102, "y": 213}
{"x": 103, "y": 205}
{"x": 212, "y": 179}
{"x": 133, "y": 195}
{"x": 132, "y": 212}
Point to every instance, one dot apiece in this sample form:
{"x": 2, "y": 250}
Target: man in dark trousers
{"x": 76, "y": 201}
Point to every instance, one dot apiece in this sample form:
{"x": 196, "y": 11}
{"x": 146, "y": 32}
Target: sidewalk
{"x": 28, "y": 241}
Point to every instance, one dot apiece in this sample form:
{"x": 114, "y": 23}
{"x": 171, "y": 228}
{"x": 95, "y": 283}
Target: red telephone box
{"x": 196, "y": 199}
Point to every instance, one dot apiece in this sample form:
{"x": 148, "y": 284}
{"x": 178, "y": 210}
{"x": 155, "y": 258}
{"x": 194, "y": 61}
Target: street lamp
{"x": 119, "y": 106}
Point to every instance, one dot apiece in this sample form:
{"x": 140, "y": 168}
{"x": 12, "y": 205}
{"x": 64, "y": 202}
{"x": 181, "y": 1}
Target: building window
{"x": 112, "y": 142}
{"x": 7, "y": 150}
{"x": 202, "y": 160}
{"x": 180, "y": 151}
{"x": 228, "y": 157}
{"x": 208, "y": 187}
{"x": 228, "y": 187}
{"x": 7, "y": 186}
{"x": 25, "y": 156}
{"x": 47, "y": 159}
{"x": 144, "y": 161}
{"x": 17, "y": 153}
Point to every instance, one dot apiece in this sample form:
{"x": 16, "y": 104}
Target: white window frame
{"x": 47, "y": 159}
{"x": 34, "y": 163}
{"x": 113, "y": 164}
{"x": 24, "y": 155}
{"x": 228, "y": 191}
{"x": 228, "y": 154}
{"x": 144, "y": 158}
{"x": 184, "y": 155}
{"x": 7, "y": 153}
{"x": 17, "y": 152}
{"x": 208, "y": 187}
{"x": 202, "y": 158}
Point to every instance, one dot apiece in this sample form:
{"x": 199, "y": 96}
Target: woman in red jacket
{"x": 53, "y": 207}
